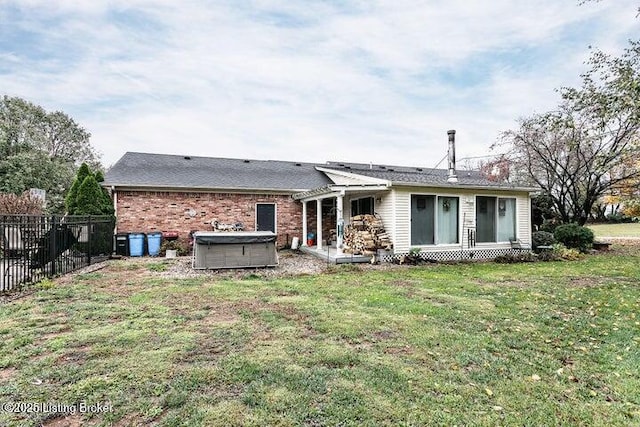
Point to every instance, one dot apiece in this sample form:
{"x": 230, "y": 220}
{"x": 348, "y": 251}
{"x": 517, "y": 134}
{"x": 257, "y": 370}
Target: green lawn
{"x": 471, "y": 344}
{"x": 616, "y": 230}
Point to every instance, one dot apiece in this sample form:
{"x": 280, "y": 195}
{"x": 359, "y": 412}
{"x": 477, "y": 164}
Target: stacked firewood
{"x": 364, "y": 235}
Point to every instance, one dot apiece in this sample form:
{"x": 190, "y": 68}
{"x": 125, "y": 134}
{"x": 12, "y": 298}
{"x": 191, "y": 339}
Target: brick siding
{"x": 146, "y": 211}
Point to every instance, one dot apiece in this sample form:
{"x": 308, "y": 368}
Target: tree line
{"x": 49, "y": 151}
{"x": 585, "y": 152}
{"x": 584, "y": 155}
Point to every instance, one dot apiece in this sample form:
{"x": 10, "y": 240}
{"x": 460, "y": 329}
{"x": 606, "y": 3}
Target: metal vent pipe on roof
{"x": 453, "y": 177}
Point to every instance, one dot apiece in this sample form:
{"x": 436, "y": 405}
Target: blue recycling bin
{"x": 136, "y": 244}
{"x": 153, "y": 243}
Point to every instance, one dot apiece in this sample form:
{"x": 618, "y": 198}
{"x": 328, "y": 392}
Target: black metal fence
{"x": 34, "y": 247}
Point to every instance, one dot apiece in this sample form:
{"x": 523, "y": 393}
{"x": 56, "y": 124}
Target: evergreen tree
{"x": 106, "y": 203}
{"x": 90, "y": 197}
{"x": 72, "y": 196}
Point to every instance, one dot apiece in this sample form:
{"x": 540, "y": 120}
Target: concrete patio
{"x": 330, "y": 254}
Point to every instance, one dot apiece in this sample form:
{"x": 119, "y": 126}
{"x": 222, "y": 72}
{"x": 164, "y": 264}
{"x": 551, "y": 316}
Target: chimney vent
{"x": 452, "y": 157}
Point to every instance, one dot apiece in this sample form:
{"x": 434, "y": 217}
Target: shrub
{"x": 512, "y": 258}
{"x": 617, "y": 218}
{"x": 546, "y": 256}
{"x": 549, "y": 225}
{"x": 542, "y": 238}
{"x": 177, "y": 245}
{"x": 632, "y": 208}
{"x": 568, "y": 254}
{"x": 14, "y": 204}
{"x": 574, "y": 236}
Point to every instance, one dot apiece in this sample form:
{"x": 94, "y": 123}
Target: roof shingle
{"x": 416, "y": 175}
{"x": 173, "y": 171}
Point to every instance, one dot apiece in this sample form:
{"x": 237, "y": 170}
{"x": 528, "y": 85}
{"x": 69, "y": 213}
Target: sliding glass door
{"x": 434, "y": 220}
{"x": 495, "y": 219}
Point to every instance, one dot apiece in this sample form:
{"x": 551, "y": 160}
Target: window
{"x": 495, "y": 219}
{"x": 434, "y": 220}
{"x": 362, "y": 206}
{"x": 266, "y": 217}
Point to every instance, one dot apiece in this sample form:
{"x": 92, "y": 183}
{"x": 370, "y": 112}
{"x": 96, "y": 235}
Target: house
{"x": 158, "y": 192}
{"x": 447, "y": 214}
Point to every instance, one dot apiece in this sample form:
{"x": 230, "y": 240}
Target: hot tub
{"x": 238, "y": 249}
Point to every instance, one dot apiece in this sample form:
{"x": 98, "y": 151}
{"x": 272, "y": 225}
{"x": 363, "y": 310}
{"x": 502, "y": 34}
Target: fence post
{"x": 53, "y": 244}
{"x": 90, "y": 232}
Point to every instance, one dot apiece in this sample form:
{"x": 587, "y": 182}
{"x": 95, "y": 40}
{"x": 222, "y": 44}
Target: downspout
{"x": 114, "y": 194}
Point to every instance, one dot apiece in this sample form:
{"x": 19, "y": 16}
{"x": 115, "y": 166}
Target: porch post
{"x": 339, "y": 223}
{"x": 304, "y": 223}
{"x": 319, "y": 224}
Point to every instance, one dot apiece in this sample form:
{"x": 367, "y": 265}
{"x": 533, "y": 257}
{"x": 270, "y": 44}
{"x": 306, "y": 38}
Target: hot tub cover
{"x": 216, "y": 238}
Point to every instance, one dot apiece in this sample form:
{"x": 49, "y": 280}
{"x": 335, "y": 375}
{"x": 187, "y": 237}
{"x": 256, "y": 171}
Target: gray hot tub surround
{"x": 238, "y": 249}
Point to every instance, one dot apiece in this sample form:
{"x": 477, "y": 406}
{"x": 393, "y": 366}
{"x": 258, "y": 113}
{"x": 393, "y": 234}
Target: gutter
{"x": 332, "y": 189}
{"x": 119, "y": 187}
{"x": 462, "y": 186}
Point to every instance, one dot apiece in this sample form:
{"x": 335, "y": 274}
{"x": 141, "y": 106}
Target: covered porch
{"x": 326, "y": 212}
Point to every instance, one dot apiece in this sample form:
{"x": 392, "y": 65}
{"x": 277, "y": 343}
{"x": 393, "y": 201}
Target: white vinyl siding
{"x": 523, "y": 219}
{"x": 403, "y": 221}
{"x": 384, "y": 208}
{"x": 467, "y": 217}
{"x": 401, "y": 229}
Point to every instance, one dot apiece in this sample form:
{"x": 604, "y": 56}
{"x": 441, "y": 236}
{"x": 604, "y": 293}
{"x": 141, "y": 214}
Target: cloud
{"x": 367, "y": 81}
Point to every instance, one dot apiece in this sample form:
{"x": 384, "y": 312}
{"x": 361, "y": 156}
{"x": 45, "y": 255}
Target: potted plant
{"x": 172, "y": 248}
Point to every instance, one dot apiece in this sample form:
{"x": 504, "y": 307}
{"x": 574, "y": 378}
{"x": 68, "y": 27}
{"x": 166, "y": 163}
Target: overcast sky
{"x": 369, "y": 81}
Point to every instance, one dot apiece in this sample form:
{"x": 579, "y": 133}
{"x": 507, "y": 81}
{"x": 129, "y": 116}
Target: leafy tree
{"x": 581, "y": 151}
{"x": 34, "y": 169}
{"x": 19, "y": 125}
{"x": 40, "y": 149}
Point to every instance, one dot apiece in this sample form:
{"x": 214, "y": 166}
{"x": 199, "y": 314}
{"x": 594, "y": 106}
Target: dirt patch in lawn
{"x": 7, "y": 373}
{"x": 65, "y": 421}
{"x": 51, "y": 335}
{"x": 291, "y": 264}
{"x": 77, "y": 356}
{"x": 218, "y": 317}
{"x": 502, "y": 283}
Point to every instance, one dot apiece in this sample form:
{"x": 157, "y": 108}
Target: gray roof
{"x": 192, "y": 172}
{"x": 173, "y": 171}
{"x": 416, "y": 175}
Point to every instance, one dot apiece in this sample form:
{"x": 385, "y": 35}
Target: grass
{"x": 616, "y": 230}
{"x": 469, "y": 344}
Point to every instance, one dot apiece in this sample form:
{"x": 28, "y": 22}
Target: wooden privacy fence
{"x": 34, "y": 247}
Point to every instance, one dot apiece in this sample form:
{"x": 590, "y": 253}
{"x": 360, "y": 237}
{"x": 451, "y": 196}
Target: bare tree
{"x": 581, "y": 151}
